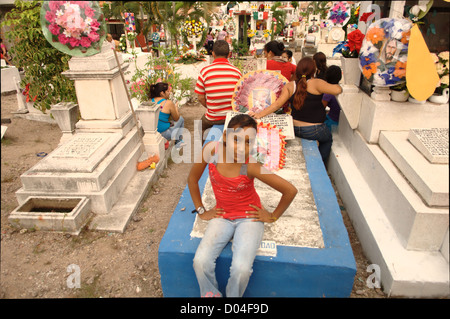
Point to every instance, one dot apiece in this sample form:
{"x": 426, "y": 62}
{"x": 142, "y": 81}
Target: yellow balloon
{"x": 421, "y": 74}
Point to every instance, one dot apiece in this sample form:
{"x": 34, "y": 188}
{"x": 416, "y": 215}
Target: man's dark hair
{"x": 221, "y": 48}
{"x": 333, "y": 74}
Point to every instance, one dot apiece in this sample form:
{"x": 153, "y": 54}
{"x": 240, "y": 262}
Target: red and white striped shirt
{"x": 217, "y": 82}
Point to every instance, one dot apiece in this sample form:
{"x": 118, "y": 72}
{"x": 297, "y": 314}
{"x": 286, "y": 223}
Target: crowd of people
{"x": 238, "y": 213}
{"x": 312, "y": 87}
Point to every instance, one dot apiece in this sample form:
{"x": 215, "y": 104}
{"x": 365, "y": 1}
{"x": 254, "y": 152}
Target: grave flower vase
{"x": 399, "y": 96}
{"x": 66, "y": 116}
{"x": 351, "y": 71}
{"x": 440, "y": 99}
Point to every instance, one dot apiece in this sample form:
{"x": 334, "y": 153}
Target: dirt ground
{"x": 34, "y": 264}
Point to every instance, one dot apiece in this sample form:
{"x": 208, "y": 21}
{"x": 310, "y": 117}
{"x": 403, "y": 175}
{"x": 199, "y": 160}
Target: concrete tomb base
{"x": 67, "y": 214}
{"x": 295, "y": 260}
{"x": 398, "y": 203}
{"x": 97, "y": 155}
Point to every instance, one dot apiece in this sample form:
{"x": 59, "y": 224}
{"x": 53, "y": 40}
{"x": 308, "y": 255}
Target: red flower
{"x": 365, "y": 16}
{"x": 93, "y": 36}
{"x": 50, "y": 16}
{"x": 54, "y": 5}
{"x": 86, "y": 42}
{"x": 89, "y": 12}
{"x": 74, "y": 42}
{"x": 95, "y": 25}
{"x": 63, "y": 39}
{"x": 355, "y": 40}
{"x": 54, "y": 28}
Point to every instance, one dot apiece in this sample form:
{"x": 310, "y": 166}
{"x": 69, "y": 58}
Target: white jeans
{"x": 247, "y": 236}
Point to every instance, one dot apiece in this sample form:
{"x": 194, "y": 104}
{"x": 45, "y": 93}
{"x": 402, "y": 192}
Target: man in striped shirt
{"x": 215, "y": 86}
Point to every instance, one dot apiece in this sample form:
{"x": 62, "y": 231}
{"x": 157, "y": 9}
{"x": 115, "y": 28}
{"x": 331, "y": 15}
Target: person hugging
{"x": 333, "y": 75}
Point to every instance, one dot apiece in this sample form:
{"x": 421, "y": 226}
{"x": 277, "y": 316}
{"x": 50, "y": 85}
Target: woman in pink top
{"x": 238, "y": 213}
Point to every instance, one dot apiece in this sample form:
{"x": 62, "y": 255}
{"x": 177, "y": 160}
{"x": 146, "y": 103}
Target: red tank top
{"x": 233, "y": 194}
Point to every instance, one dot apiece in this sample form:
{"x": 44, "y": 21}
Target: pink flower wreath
{"x": 74, "y": 27}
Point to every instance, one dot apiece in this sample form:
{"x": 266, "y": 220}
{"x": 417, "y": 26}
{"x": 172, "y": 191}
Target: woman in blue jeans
{"x": 238, "y": 213}
{"x": 159, "y": 94}
{"x": 308, "y": 113}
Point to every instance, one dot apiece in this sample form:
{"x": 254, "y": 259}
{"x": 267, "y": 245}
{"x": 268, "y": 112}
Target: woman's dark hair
{"x": 156, "y": 89}
{"x": 333, "y": 74}
{"x": 276, "y": 47}
{"x": 321, "y": 62}
{"x": 305, "y": 70}
{"x": 241, "y": 121}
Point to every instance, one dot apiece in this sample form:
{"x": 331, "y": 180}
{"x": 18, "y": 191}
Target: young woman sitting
{"x": 238, "y": 213}
{"x": 159, "y": 94}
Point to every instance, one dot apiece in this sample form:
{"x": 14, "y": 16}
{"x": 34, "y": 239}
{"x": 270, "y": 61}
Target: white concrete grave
{"x": 98, "y": 159}
{"x": 299, "y": 226}
{"x": 388, "y": 164}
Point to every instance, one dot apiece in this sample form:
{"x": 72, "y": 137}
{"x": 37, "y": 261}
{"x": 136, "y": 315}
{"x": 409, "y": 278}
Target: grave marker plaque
{"x": 282, "y": 121}
{"x": 80, "y": 154}
{"x": 80, "y": 146}
{"x": 432, "y": 143}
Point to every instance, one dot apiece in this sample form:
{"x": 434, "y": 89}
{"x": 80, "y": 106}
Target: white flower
{"x": 67, "y": 33}
{"x": 440, "y": 68}
{"x": 59, "y": 13}
{"x": 422, "y": 6}
{"x": 444, "y": 55}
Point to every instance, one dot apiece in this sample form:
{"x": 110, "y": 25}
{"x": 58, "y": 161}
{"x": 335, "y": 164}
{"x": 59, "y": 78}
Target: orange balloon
{"x": 421, "y": 74}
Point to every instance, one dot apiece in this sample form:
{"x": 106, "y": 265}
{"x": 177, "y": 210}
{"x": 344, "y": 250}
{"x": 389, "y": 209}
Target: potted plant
{"x": 349, "y": 49}
{"x": 399, "y": 92}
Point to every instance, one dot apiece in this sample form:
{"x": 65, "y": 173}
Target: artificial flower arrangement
{"x": 192, "y": 28}
{"x": 123, "y": 43}
{"x": 74, "y": 27}
{"x": 267, "y": 33}
{"x": 251, "y": 33}
{"x": 441, "y": 61}
{"x": 271, "y": 146}
{"x": 190, "y": 57}
{"x": 383, "y": 55}
{"x": 350, "y": 48}
{"x": 339, "y": 13}
{"x": 131, "y": 36}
